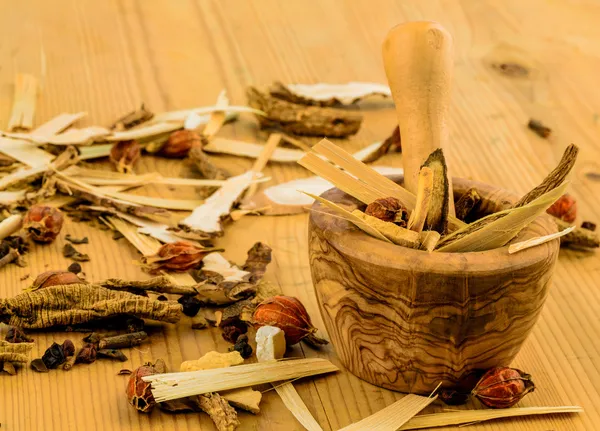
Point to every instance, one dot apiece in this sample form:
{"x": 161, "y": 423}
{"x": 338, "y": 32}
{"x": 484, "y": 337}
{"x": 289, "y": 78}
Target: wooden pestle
{"x": 418, "y": 58}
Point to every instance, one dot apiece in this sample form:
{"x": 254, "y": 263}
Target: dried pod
{"x": 286, "y": 313}
{"x": 191, "y": 305}
{"x": 139, "y": 392}
{"x": 180, "y": 143}
{"x": 177, "y": 256}
{"x": 87, "y": 354}
{"x": 388, "y": 209}
{"x": 241, "y": 345}
{"x": 124, "y": 154}
{"x": 68, "y": 348}
{"x": 16, "y": 335}
{"x": 565, "y": 208}
{"x": 54, "y": 278}
{"x": 43, "y": 223}
{"x": 503, "y": 387}
{"x": 54, "y": 356}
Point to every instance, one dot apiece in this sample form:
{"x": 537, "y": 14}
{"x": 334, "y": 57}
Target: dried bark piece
{"x": 259, "y": 257}
{"x": 303, "y": 120}
{"x": 132, "y": 119}
{"x": 81, "y": 303}
{"x": 162, "y": 284}
{"x": 396, "y": 234}
{"x": 439, "y": 206}
{"x": 539, "y": 128}
{"x": 328, "y": 94}
{"x": 467, "y": 203}
{"x": 14, "y": 352}
{"x": 204, "y": 165}
{"x": 417, "y": 219}
{"x": 71, "y": 252}
{"x": 222, "y": 414}
{"x": 578, "y": 237}
{"x": 112, "y": 354}
{"x": 123, "y": 340}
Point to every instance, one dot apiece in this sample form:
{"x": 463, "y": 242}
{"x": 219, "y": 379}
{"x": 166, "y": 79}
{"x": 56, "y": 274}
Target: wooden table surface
{"x": 105, "y": 57}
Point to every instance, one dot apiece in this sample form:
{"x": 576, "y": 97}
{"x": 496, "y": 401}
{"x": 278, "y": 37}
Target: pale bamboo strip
{"x": 144, "y": 132}
{"x": 58, "y": 124}
{"x": 21, "y": 175}
{"x": 260, "y": 163}
{"x": 393, "y": 416}
{"x": 217, "y": 117}
{"x": 94, "y": 151}
{"x": 23, "y": 109}
{"x": 472, "y": 416}
{"x": 251, "y": 150}
{"x": 532, "y": 242}
{"x": 291, "y": 398}
{"x": 25, "y": 152}
{"x": 7, "y": 198}
{"x": 170, "y": 204}
{"x": 183, "y": 114}
{"x": 178, "y": 385}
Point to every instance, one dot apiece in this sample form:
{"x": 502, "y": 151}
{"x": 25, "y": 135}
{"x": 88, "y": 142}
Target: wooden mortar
{"x": 406, "y": 319}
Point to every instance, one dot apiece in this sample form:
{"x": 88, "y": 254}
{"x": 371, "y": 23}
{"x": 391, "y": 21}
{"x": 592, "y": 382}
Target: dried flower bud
{"x": 124, "y": 154}
{"x": 565, "y": 208}
{"x": 388, "y": 209}
{"x": 54, "y": 278}
{"x": 503, "y": 387}
{"x": 177, "y": 256}
{"x": 16, "y": 335}
{"x": 68, "y": 348}
{"x": 87, "y": 354}
{"x": 43, "y": 223}
{"x": 139, "y": 392}
{"x": 54, "y": 356}
{"x": 286, "y": 313}
{"x": 180, "y": 143}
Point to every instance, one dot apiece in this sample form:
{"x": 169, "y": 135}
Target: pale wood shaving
{"x": 532, "y": 242}
{"x": 261, "y": 162}
{"x": 345, "y": 94}
{"x": 23, "y": 109}
{"x": 10, "y": 225}
{"x": 58, "y": 124}
{"x": 182, "y": 115}
{"x": 291, "y": 399}
{"x": 25, "y": 152}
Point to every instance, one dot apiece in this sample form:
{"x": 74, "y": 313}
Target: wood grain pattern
{"x": 106, "y": 57}
{"x": 407, "y": 319}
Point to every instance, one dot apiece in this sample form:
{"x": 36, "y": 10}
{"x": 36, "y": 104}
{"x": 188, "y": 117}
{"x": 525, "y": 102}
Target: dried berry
{"x": 139, "y": 392}
{"x": 241, "y": 345}
{"x": 588, "y": 225}
{"x": 180, "y": 143}
{"x": 503, "y": 387}
{"x": 124, "y": 154}
{"x": 54, "y": 356}
{"x": 43, "y": 223}
{"x": 16, "y": 335}
{"x": 87, "y": 354}
{"x": 177, "y": 256}
{"x": 54, "y": 278}
{"x": 565, "y": 208}
{"x": 39, "y": 366}
{"x": 232, "y": 332}
{"x": 68, "y": 348}
{"x": 288, "y": 314}
{"x": 191, "y": 305}
{"x": 75, "y": 268}
{"x": 388, "y": 209}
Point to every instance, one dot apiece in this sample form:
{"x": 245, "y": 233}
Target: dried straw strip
{"x": 58, "y": 124}
{"x": 532, "y": 242}
{"x": 23, "y": 109}
{"x": 291, "y": 399}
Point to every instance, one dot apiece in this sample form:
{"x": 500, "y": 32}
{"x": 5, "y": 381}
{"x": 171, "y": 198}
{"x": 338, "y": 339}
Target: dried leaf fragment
{"x": 70, "y": 252}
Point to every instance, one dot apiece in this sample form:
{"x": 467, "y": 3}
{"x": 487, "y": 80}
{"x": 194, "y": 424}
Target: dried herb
{"x": 43, "y": 223}
{"x": 132, "y": 119}
{"x": 124, "y": 155}
{"x": 391, "y": 231}
{"x": 162, "y": 284}
{"x": 124, "y": 340}
{"x": 39, "y": 366}
{"x": 222, "y": 414}
{"x": 87, "y": 354}
{"x": 302, "y": 120}
{"x": 71, "y": 252}
{"x": 180, "y": 143}
{"x": 589, "y": 225}
{"x": 74, "y": 268}
{"x": 14, "y": 352}
{"x": 16, "y": 335}
{"x": 259, "y": 257}
{"x": 54, "y": 356}
{"x": 467, "y": 202}
{"x": 191, "y": 305}
{"x": 111, "y": 354}
{"x": 72, "y": 240}
{"x": 80, "y": 303}
{"x": 241, "y": 345}
{"x": 539, "y": 128}
{"x": 54, "y": 278}
{"x": 513, "y": 70}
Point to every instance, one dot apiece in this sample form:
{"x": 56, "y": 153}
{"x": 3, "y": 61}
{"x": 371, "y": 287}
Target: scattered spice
{"x": 54, "y": 356}
{"x": 16, "y": 335}
{"x": 39, "y": 366}
{"x": 139, "y": 392}
{"x": 241, "y": 345}
{"x": 513, "y": 70}
{"x": 503, "y": 387}
{"x": 588, "y": 225}
{"x": 43, "y": 223}
{"x": 303, "y": 120}
{"x": 54, "y": 278}
{"x": 286, "y": 313}
{"x": 132, "y": 119}
{"x": 75, "y": 268}
{"x": 124, "y": 154}
{"x": 87, "y": 354}
{"x": 539, "y": 128}
{"x": 124, "y": 340}
{"x": 388, "y": 209}
{"x": 191, "y": 305}
{"x": 180, "y": 143}
{"x": 124, "y": 372}
{"x": 111, "y": 354}
{"x": 71, "y": 252}
{"x": 565, "y": 208}
{"x": 72, "y": 240}
{"x": 178, "y": 256}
